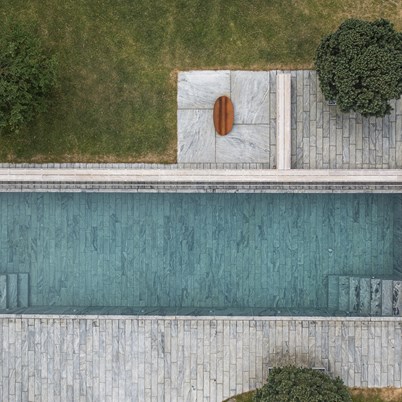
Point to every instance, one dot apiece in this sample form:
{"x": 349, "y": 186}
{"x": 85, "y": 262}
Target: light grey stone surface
{"x": 196, "y": 136}
{"x": 324, "y": 137}
{"x": 111, "y": 358}
{"x": 253, "y": 137}
{"x": 250, "y": 96}
{"x": 245, "y": 142}
{"x": 200, "y": 89}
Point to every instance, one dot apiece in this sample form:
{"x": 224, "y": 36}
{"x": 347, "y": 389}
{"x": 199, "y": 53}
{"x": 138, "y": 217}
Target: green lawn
{"x": 119, "y": 59}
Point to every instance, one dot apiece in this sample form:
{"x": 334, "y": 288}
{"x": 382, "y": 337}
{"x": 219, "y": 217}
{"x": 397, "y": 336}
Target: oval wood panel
{"x": 223, "y": 115}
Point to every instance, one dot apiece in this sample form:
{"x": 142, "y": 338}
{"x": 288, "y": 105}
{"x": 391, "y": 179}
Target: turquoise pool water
{"x": 195, "y": 250}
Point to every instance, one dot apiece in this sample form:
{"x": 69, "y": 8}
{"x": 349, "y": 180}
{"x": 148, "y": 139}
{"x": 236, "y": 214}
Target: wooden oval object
{"x": 223, "y": 115}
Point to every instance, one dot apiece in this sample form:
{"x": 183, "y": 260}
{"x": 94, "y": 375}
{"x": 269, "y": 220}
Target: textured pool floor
{"x": 195, "y": 250}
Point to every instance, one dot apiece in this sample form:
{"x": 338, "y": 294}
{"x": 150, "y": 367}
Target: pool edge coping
{"x": 197, "y": 318}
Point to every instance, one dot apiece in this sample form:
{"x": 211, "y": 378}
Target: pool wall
{"x": 62, "y": 358}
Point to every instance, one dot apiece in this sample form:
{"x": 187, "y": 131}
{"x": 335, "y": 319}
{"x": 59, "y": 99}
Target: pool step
{"x": 14, "y": 290}
{"x": 363, "y": 295}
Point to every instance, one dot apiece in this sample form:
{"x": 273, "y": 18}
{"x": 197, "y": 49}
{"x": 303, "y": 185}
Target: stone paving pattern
{"x": 194, "y": 250}
{"x": 184, "y": 359}
{"x": 253, "y": 137}
{"x": 322, "y": 136}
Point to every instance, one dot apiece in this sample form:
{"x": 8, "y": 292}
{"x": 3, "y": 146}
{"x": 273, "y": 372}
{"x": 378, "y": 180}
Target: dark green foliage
{"x": 294, "y": 384}
{"x": 360, "y": 66}
{"x": 27, "y": 76}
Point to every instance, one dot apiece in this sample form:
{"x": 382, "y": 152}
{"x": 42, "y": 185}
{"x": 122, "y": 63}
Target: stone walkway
{"x": 325, "y": 138}
{"x": 67, "y": 358}
{"x": 322, "y": 136}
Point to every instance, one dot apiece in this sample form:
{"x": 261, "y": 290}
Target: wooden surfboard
{"x": 223, "y": 115}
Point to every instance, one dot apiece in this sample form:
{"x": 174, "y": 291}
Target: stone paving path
{"x": 53, "y": 358}
{"x": 322, "y": 136}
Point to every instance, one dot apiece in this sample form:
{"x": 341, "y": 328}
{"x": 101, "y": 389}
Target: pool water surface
{"x": 195, "y": 250}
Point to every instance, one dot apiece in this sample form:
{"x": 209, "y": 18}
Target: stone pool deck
{"x": 200, "y": 180}
{"x": 321, "y": 136}
{"x": 143, "y": 358}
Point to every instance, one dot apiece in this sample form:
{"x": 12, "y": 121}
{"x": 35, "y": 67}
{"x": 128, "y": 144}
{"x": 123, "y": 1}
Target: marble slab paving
{"x": 196, "y": 136}
{"x": 200, "y": 89}
{"x": 252, "y": 139}
{"x": 250, "y": 94}
{"x": 245, "y": 142}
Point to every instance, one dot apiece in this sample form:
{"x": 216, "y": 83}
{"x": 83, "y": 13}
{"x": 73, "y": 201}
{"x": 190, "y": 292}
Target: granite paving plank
{"x": 372, "y": 152}
{"x": 245, "y": 142}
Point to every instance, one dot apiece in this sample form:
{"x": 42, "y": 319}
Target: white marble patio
{"x": 252, "y": 139}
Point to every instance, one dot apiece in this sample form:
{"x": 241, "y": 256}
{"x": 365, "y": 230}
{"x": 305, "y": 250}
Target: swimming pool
{"x": 240, "y": 252}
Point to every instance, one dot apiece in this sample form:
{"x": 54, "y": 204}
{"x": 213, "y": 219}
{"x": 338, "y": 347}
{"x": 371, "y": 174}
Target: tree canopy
{"x": 360, "y": 66}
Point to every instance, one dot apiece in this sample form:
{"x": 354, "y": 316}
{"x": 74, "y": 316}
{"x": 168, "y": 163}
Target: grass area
{"x": 119, "y": 59}
{"x": 358, "y": 395}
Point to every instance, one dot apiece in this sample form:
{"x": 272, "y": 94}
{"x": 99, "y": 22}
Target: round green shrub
{"x": 27, "y": 77}
{"x": 295, "y": 384}
{"x": 360, "y": 66}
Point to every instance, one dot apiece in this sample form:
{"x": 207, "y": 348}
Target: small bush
{"x": 294, "y": 384}
{"x": 27, "y": 76}
{"x": 360, "y": 66}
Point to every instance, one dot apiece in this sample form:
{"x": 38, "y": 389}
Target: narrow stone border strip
{"x": 283, "y": 118}
{"x": 198, "y": 187}
{"x": 199, "y": 180}
{"x": 172, "y": 166}
{"x": 200, "y": 317}
{"x": 200, "y": 175}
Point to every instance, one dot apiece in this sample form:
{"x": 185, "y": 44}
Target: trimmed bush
{"x": 294, "y": 384}
{"x": 27, "y": 76}
{"x": 360, "y": 66}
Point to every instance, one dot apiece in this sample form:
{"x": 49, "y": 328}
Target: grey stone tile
{"x": 200, "y": 89}
{"x": 244, "y": 143}
{"x": 250, "y": 97}
{"x": 196, "y": 136}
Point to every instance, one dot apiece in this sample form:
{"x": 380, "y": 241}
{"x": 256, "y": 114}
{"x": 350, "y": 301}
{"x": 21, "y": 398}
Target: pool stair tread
{"x": 397, "y": 298}
{"x": 386, "y": 299}
{"x": 365, "y": 295}
{"x": 375, "y": 296}
{"x": 14, "y": 290}
{"x": 23, "y": 290}
{"x": 12, "y": 300}
{"x": 3, "y": 291}
{"x": 333, "y": 292}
